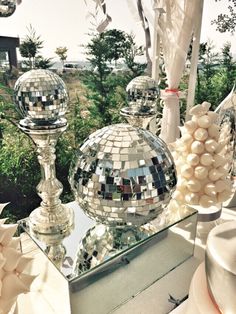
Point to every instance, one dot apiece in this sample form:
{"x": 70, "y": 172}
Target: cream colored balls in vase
{"x": 201, "y": 166}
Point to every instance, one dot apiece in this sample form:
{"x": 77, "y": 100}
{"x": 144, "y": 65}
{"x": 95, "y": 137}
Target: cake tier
{"x": 199, "y": 301}
{"x": 221, "y": 266}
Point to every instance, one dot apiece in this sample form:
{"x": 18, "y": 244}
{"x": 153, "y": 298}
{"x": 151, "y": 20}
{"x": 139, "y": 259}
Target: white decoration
{"x": 194, "y": 185}
{"x": 214, "y": 174}
{"x": 193, "y": 159}
{"x": 214, "y": 131}
{"x": 192, "y": 198}
{"x": 210, "y": 145}
{"x": 206, "y": 159}
{"x": 210, "y": 189}
{"x": 206, "y": 201}
{"x": 201, "y": 161}
{"x": 197, "y": 147}
{"x": 200, "y": 134}
{"x": 12, "y": 264}
{"x": 201, "y": 172}
{"x": 204, "y": 121}
{"x": 187, "y": 171}
{"x": 190, "y": 126}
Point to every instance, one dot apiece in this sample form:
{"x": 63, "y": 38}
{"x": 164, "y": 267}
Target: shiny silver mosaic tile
{"x": 142, "y": 92}
{"x": 123, "y": 175}
{"x": 7, "y": 7}
{"x": 101, "y": 242}
{"x": 41, "y": 96}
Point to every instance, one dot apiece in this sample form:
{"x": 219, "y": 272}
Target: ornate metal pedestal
{"x": 51, "y": 217}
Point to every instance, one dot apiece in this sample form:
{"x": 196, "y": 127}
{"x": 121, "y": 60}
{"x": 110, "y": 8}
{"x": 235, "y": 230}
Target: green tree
{"x": 42, "y": 63}
{"x": 226, "y": 22}
{"x": 208, "y": 67}
{"x": 62, "y": 54}
{"x": 30, "y": 46}
{"x": 130, "y": 52}
{"x": 103, "y": 49}
{"x": 229, "y": 68}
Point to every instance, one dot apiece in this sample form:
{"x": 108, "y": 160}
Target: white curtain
{"x": 175, "y": 29}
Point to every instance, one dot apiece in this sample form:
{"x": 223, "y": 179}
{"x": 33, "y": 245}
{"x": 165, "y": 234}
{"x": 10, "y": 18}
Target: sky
{"x": 66, "y": 23}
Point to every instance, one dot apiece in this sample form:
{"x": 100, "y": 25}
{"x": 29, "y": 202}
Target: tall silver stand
{"x": 51, "y": 217}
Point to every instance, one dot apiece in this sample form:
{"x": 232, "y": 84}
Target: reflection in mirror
{"x": 102, "y": 242}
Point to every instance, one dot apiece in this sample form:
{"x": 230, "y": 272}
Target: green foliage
{"x": 19, "y": 171}
{"x": 226, "y": 22}
{"x": 130, "y": 52}
{"x": 216, "y": 74}
{"x": 107, "y": 89}
{"x": 62, "y": 53}
{"x": 30, "y": 46}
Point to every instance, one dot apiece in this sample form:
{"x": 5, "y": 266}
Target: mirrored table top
{"x": 90, "y": 245}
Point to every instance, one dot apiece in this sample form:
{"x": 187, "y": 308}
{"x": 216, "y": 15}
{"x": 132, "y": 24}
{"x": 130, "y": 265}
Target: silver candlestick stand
{"x": 51, "y": 217}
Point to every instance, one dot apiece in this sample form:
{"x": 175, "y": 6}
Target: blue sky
{"x": 64, "y": 23}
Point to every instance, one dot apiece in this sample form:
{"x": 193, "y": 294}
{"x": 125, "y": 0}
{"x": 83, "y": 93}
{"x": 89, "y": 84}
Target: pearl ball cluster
{"x": 202, "y": 169}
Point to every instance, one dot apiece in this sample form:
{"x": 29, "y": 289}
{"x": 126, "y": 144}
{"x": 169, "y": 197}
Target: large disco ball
{"x": 7, "y": 7}
{"x": 123, "y": 175}
{"x": 41, "y": 96}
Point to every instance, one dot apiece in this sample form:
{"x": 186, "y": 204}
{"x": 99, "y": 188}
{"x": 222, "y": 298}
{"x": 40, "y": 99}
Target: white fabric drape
{"x": 175, "y": 29}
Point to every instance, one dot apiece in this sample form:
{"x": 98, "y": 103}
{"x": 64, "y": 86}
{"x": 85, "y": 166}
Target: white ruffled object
{"x": 12, "y": 264}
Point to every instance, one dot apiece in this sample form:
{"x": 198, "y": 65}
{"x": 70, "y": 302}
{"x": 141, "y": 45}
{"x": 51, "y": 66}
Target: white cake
{"x": 199, "y": 301}
{"x": 213, "y": 287}
{"x": 221, "y": 266}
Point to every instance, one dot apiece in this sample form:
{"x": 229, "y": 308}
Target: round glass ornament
{"x": 7, "y": 7}
{"x": 123, "y": 175}
{"x": 41, "y": 96}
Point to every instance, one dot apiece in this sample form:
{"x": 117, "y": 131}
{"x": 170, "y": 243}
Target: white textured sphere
{"x": 187, "y": 139}
{"x": 201, "y": 172}
{"x": 190, "y": 126}
{"x": 193, "y": 159}
{"x": 41, "y": 96}
{"x": 197, "y": 147}
{"x": 200, "y": 134}
{"x": 210, "y": 145}
{"x": 204, "y": 121}
{"x": 192, "y": 198}
{"x": 206, "y": 201}
{"x": 210, "y": 189}
{"x": 206, "y": 159}
{"x": 187, "y": 171}
{"x": 213, "y": 131}
{"x": 194, "y": 185}
{"x": 214, "y": 174}
{"x": 219, "y": 160}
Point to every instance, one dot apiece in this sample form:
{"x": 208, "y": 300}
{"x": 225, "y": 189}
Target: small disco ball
{"x": 41, "y": 96}
{"x": 7, "y": 7}
{"x": 123, "y": 175}
{"x": 143, "y": 89}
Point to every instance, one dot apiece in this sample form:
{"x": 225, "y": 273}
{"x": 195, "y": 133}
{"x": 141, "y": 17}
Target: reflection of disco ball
{"x": 41, "y": 96}
{"x": 102, "y": 242}
{"x": 123, "y": 175}
{"x": 142, "y": 89}
{"x": 7, "y": 7}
